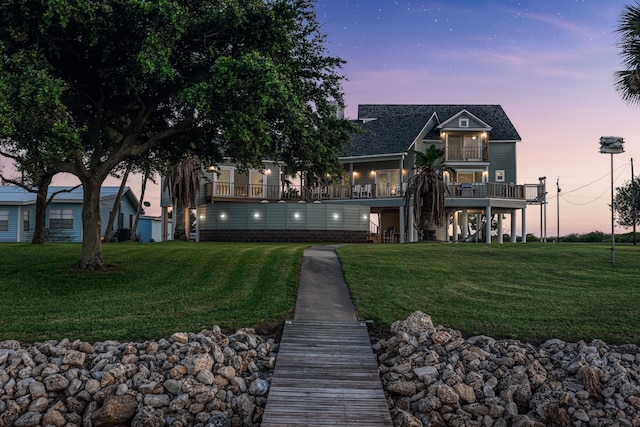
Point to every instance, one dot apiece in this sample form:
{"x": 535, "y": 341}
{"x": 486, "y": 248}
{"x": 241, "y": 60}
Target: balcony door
{"x": 223, "y": 180}
{"x": 388, "y": 183}
{"x": 472, "y": 146}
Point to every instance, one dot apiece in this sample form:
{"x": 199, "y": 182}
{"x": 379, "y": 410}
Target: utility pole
{"x": 558, "y": 208}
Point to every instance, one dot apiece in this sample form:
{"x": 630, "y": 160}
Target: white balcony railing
{"x": 221, "y": 190}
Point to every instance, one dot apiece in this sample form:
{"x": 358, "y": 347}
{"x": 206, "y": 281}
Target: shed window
{"x": 61, "y": 219}
{"x": 4, "y": 220}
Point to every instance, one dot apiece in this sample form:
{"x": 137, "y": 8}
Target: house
{"x": 479, "y": 142}
{"x": 64, "y": 213}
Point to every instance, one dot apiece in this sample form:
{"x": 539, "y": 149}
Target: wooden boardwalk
{"x": 326, "y": 375}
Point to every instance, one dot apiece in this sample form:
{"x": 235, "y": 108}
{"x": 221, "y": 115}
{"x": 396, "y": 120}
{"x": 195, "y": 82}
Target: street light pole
{"x": 612, "y": 145}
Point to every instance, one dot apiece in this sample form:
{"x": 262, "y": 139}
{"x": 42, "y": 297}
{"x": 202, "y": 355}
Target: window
{"x": 26, "y": 216}
{"x": 61, "y": 219}
{"x": 463, "y": 123}
{"x": 4, "y": 220}
{"x": 470, "y": 176}
{"x": 500, "y": 176}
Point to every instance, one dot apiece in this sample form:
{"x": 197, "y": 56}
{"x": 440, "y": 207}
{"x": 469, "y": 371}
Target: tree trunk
{"x": 116, "y": 205}
{"x": 180, "y": 228}
{"x": 134, "y": 230}
{"x": 91, "y": 252}
{"x": 40, "y": 226}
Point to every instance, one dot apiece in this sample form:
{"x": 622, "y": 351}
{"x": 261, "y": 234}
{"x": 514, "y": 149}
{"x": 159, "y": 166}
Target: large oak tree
{"x": 246, "y": 79}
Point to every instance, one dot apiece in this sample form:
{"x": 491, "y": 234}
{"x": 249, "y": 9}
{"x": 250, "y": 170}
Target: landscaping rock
{"x": 481, "y": 381}
{"x": 205, "y": 379}
{"x": 432, "y": 376}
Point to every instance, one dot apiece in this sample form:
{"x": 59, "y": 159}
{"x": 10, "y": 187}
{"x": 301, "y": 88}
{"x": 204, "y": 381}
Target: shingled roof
{"x": 392, "y": 128}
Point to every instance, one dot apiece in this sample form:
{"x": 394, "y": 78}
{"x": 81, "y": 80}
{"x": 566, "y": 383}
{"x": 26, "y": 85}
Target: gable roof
{"x": 392, "y": 128}
{"x": 14, "y": 195}
{"x": 481, "y": 124}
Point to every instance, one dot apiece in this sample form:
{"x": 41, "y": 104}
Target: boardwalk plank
{"x": 326, "y": 375}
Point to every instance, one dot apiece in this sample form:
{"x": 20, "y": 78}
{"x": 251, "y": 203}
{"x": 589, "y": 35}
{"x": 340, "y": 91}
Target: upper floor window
{"x": 500, "y": 176}
{"x": 463, "y": 123}
{"x": 26, "y": 223}
{"x": 61, "y": 219}
{"x": 4, "y": 220}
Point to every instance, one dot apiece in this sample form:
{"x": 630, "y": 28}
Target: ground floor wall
{"x": 283, "y": 222}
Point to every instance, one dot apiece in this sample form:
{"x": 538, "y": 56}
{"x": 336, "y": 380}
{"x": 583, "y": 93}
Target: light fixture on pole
{"x": 612, "y": 145}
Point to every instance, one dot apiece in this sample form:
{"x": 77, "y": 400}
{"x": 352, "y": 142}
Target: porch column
{"x": 500, "y": 238}
{"x": 410, "y": 226}
{"x": 401, "y": 238}
{"x": 455, "y": 226}
{"x": 400, "y": 173}
{"x": 524, "y": 225}
{"x": 464, "y": 222}
{"x": 514, "y": 237}
{"x": 487, "y": 226}
{"x": 352, "y": 179}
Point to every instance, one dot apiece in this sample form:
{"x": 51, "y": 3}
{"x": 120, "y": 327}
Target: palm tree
{"x": 427, "y": 189}
{"x": 628, "y": 81}
{"x": 184, "y": 183}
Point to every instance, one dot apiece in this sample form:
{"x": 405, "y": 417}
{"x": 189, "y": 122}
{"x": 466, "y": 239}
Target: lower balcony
{"x": 532, "y": 193}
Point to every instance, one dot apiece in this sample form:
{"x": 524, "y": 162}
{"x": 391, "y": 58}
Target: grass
{"x": 529, "y": 292}
{"x": 524, "y": 291}
{"x": 153, "y": 290}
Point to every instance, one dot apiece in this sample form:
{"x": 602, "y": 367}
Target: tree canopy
{"x": 244, "y": 79}
{"x": 627, "y": 203}
{"x": 628, "y": 80}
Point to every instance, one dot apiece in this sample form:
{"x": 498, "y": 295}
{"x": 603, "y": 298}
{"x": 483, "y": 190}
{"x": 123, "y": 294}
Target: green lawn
{"x": 525, "y": 291}
{"x": 155, "y": 289}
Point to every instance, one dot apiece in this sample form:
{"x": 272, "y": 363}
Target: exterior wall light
{"x": 336, "y": 216}
{"x": 223, "y": 216}
{"x": 256, "y": 215}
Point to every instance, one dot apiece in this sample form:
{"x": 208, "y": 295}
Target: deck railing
{"x": 222, "y": 190}
{"x": 466, "y": 154}
{"x": 492, "y": 190}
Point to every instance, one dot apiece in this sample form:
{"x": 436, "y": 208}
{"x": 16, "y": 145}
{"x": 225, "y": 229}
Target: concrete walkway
{"x": 323, "y": 293}
{"x": 326, "y": 373}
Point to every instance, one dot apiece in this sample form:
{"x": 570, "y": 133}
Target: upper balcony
{"x": 466, "y": 147}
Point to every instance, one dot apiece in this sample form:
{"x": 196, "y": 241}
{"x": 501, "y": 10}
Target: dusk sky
{"x": 549, "y": 63}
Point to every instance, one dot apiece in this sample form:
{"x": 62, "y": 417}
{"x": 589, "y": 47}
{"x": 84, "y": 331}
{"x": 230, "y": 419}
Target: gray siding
{"x": 283, "y": 216}
{"x": 502, "y": 156}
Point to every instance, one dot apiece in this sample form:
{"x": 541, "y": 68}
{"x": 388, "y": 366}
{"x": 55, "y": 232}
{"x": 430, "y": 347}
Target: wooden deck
{"x": 326, "y": 375}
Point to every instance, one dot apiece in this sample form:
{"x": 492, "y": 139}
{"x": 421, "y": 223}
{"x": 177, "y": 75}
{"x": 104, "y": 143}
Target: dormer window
{"x": 463, "y": 123}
